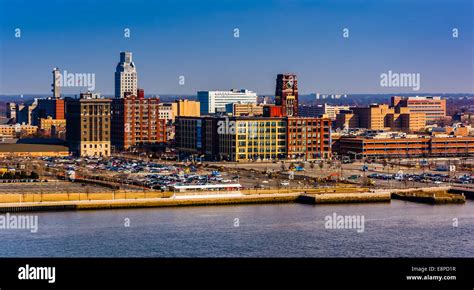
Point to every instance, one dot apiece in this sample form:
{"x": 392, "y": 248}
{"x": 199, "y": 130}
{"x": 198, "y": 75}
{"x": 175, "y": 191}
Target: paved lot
{"x": 264, "y": 175}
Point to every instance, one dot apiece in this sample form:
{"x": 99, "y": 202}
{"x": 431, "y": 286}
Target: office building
{"x": 381, "y": 117}
{"x": 255, "y": 138}
{"x": 190, "y": 136}
{"x": 125, "y": 76}
{"x": 286, "y": 94}
{"x": 406, "y": 146}
{"x": 239, "y": 109}
{"x": 232, "y": 138}
{"x": 215, "y": 101}
{"x": 402, "y": 119}
{"x": 88, "y": 125}
{"x": 248, "y": 138}
{"x": 433, "y": 107}
{"x": 373, "y": 116}
{"x": 347, "y": 119}
{"x": 308, "y": 138}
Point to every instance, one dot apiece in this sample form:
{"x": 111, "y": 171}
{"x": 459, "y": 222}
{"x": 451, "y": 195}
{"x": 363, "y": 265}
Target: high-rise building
{"x": 88, "y": 125}
{"x": 56, "y": 83}
{"x": 136, "y": 122}
{"x": 214, "y": 101}
{"x": 433, "y": 107}
{"x": 286, "y": 94}
{"x": 125, "y": 76}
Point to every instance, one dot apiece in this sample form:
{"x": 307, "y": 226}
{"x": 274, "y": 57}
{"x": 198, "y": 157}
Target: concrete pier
{"x": 63, "y": 202}
{"x": 467, "y": 192}
{"x": 344, "y": 198}
{"x": 144, "y": 203}
{"x": 430, "y": 197}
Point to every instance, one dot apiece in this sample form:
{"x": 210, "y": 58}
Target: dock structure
{"x": 124, "y": 200}
{"x": 194, "y": 200}
{"x": 468, "y": 192}
{"x": 344, "y": 198}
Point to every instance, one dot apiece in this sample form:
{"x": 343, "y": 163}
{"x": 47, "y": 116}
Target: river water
{"x": 396, "y": 229}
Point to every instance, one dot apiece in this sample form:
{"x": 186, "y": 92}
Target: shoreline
{"x": 311, "y": 197}
{"x": 221, "y": 199}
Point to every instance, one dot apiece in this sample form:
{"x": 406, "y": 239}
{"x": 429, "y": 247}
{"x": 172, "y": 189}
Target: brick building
{"x": 136, "y": 122}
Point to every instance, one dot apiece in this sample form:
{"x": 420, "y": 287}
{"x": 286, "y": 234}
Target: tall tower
{"x": 56, "y": 83}
{"x": 286, "y": 94}
{"x": 125, "y": 76}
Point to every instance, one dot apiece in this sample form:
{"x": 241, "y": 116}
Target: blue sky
{"x": 195, "y": 38}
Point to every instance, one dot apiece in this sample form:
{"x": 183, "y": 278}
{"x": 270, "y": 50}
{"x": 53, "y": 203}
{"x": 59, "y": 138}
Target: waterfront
{"x": 396, "y": 229}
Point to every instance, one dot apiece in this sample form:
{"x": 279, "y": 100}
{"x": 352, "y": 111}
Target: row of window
{"x": 255, "y": 150}
{"x": 261, "y": 136}
{"x": 95, "y": 146}
{"x": 261, "y": 124}
{"x": 250, "y": 144}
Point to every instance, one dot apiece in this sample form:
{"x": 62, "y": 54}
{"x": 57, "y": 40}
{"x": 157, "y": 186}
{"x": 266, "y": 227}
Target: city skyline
{"x": 197, "y": 41}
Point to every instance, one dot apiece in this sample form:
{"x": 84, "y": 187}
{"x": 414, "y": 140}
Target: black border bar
{"x": 221, "y": 273}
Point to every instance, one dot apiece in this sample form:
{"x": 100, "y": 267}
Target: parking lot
{"x": 152, "y": 175}
{"x": 143, "y": 174}
{"x": 436, "y": 178}
{"x": 399, "y": 175}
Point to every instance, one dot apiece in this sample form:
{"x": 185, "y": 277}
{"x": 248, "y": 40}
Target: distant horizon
{"x": 258, "y": 94}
